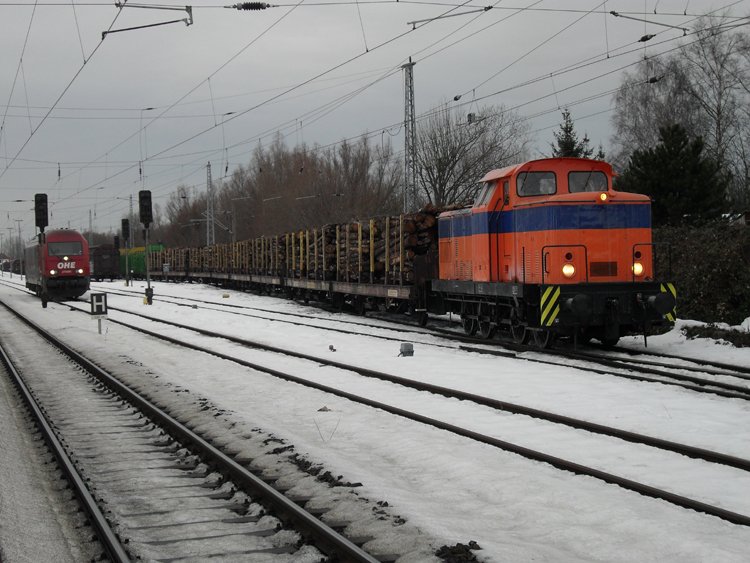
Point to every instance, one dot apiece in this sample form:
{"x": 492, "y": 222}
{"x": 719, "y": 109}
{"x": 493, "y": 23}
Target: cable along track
{"x": 530, "y": 453}
{"x": 162, "y": 499}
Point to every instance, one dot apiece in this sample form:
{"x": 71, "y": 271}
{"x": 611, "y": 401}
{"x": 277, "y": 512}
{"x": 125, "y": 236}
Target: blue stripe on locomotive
{"x": 557, "y": 217}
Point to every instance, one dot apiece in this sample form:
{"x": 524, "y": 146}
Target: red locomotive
{"x": 548, "y": 249}
{"x": 57, "y": 265}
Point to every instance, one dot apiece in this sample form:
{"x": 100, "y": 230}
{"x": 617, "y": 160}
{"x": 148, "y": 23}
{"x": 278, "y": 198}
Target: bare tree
{"x": 653, "y": 96}
{"x": 705, "y": 88}
{"x": 183, "y": 223}
{"x": 453, "y": 152}
{"x": 285, "y": 189}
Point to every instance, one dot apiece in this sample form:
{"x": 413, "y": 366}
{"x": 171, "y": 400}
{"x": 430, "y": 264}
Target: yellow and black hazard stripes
{"x": 669, "y": 288}
{"x": 549, "y": 305}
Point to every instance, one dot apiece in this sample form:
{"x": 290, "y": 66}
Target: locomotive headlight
{"x": 52, "y": 272}
{"x": 65, "y": 258}
{"x": 637, "y": 268}
{"x": 568, "y": 270}
{"x": 603, "y": 196}
{"x": 80, "y": 270}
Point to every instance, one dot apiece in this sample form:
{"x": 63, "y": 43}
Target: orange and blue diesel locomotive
{"x": 548, "y": 249}
{"x": 57, "y": 265}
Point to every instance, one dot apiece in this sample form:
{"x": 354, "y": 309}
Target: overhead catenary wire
{"x": 353, "y": 137}
{"x": 18, "y": 70}
{"x": 532, "y": 50}
{"x": 523, "y": 104}
{"x": 168, "y": 108}
{"x": 301, "y": 84}
{"x": 78, "y": 30}
{"x": 60, "y": 96}
{"x": 307, "y": 121}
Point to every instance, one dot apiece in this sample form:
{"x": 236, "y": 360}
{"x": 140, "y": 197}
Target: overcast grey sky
{"x": 175, "y": 97}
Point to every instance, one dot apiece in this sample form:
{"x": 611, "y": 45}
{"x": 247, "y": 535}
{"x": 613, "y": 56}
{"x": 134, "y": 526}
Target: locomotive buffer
{"x": 99, "y": 308}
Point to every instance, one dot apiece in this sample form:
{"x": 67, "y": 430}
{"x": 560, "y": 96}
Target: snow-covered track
{"x": 718, "y": 379}
{"x": 702, "y": 365}
{"x": 690, "y": 451}
{"x": 725, "y": 383}
{"x": 636, "y": 370}
{"x": 724, "y": 380}
{"x": 559, "y": 462}
{"x": 294, "y": 318}
{"x": 163, "y": 500}
{"x": 107, "y": 537}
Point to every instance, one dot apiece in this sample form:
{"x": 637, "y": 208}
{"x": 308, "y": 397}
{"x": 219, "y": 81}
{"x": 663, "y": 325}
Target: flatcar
{"x": 104, "y": 262}
{"x": 548, "y": 249}
{"x": 57, "y": 265}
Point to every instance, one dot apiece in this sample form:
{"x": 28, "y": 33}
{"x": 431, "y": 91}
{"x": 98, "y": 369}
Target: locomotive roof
{"x": 63, "y": 234}
{"x": 508, "y": 170}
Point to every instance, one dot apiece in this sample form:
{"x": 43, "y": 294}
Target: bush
{"x": 738, "y": 338}
{"x": 711, "y": 270}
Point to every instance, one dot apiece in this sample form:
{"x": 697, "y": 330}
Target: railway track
{"x": 700, "y": 376}
{"x": 733, "y": 467}
{"x": 695, "y": 375}
{"x": 149, "y": 495}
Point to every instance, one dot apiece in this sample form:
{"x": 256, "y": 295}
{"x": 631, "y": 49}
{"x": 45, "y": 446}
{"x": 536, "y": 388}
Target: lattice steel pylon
{"x": 410, "y": 136}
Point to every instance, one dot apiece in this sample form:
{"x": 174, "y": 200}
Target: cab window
{"x": 592, "y": 181}
{"x": 70, "y": 248}
{"x": 536, "y": 183}
{"x": 485, "y": 194}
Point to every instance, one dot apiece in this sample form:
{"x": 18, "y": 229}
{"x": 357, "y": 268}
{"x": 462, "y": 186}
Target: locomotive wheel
{"x": 486, "y": 329}
{"x": 519, "y": 333}
{"x": 470, "y": 325}
{"x": 543, "y": 338}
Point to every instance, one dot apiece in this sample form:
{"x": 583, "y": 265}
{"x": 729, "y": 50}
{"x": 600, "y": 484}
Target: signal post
{"x": 144, "y": 208}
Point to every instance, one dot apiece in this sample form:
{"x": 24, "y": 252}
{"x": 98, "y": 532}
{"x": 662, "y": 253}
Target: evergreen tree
{"x": 686, "y": 187}
{"x": 600, "y": 153}
{"x": 566, "y": 140}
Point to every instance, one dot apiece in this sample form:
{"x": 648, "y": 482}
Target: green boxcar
{"x": 136, "y": 258}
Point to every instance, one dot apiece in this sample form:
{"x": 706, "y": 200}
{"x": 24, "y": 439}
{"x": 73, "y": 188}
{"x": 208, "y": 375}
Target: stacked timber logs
{"x": 380, "y": 250}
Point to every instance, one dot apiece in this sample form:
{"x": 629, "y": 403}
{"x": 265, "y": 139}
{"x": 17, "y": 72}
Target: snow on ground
{"x": 37, "y": 520}
{"x": 675, "y": 342}
{"x": 452, "y": 487}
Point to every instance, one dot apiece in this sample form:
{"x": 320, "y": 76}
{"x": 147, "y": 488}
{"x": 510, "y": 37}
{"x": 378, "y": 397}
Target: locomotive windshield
{"x": 485, "y": 194}
{"x": 536, "y": 183}
{"x": 592, "y": 181}
{"x": 67, "y": 248}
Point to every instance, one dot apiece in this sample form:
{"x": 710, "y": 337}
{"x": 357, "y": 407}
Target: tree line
{"x": 680, "y": 134}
